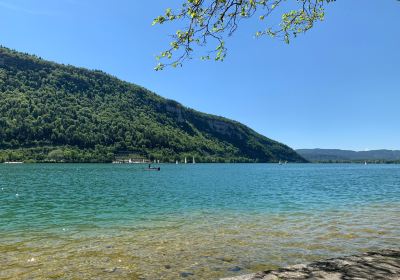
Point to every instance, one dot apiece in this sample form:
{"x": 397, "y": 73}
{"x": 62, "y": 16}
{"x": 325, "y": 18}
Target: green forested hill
{"x": 53, "y": 112}
{"x": 336, "y": 155}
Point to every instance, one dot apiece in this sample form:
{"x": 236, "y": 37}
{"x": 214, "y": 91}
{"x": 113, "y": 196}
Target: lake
{"x": 202, "y": 221}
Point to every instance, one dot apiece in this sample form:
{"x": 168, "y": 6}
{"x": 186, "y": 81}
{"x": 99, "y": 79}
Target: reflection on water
{"x": 197, "y": 222}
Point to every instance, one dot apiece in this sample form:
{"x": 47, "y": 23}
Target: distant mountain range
{"x": 336, "y": 155}
{"x": 54, "y": 112}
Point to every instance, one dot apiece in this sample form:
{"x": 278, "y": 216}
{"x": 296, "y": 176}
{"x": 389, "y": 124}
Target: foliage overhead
{"x": 215, "y": 19}
{"x": 55, "y": 112}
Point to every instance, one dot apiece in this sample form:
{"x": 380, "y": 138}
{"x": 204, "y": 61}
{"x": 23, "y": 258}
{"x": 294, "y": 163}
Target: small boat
{"x": 152, "y": 168}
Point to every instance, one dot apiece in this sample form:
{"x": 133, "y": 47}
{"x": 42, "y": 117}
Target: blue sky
{"x": 337, "y": 86}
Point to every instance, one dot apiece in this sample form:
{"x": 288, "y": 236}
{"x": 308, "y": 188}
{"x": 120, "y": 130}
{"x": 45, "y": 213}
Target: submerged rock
{"x": 225, "y": 259}
{"x": 186, "y": 274}
{"x": 374, "y": 265}
{"x": 110, "y": 270}
{"x": 235, "y": 269}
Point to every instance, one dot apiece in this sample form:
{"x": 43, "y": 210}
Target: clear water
{"x": 203, "y": 221}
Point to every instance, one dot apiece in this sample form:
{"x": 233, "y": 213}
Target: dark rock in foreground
{"x": 374, "y": 265}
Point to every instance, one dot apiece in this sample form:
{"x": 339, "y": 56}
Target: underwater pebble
{"x": 186, "y": 274}
{"x": 225, "y": 259}
{"x": 216, "y": 269}
{"x": 110, "y": 270}
{"x": 235, "y": 269}
{"x": 167, "y": 266}
{"x": 31, "y": 260}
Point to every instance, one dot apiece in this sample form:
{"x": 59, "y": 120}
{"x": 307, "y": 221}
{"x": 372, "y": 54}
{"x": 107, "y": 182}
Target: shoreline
{"x": 383, "y": 264}
{"x": 189, "y": 163}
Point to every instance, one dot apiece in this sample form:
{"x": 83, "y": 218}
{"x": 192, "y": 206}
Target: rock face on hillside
{"x": 44, "y": 105}
{"x": 374, "y": 265}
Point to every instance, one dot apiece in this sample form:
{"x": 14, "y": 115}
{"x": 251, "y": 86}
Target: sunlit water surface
{"x": 203, "y": 221}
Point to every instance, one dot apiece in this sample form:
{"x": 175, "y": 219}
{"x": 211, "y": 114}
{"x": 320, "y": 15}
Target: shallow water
{"x": 203, "y": 221}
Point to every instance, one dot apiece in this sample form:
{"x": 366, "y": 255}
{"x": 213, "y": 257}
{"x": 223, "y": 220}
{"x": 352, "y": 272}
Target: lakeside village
{"x": 145, "y": 161}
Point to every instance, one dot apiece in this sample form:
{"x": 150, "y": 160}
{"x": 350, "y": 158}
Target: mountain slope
{"x": 91, "y": 116}
{"x": 346, "y": 155}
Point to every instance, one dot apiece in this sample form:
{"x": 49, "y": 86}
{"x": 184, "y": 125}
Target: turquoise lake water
{"x": 203, "y": 221}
